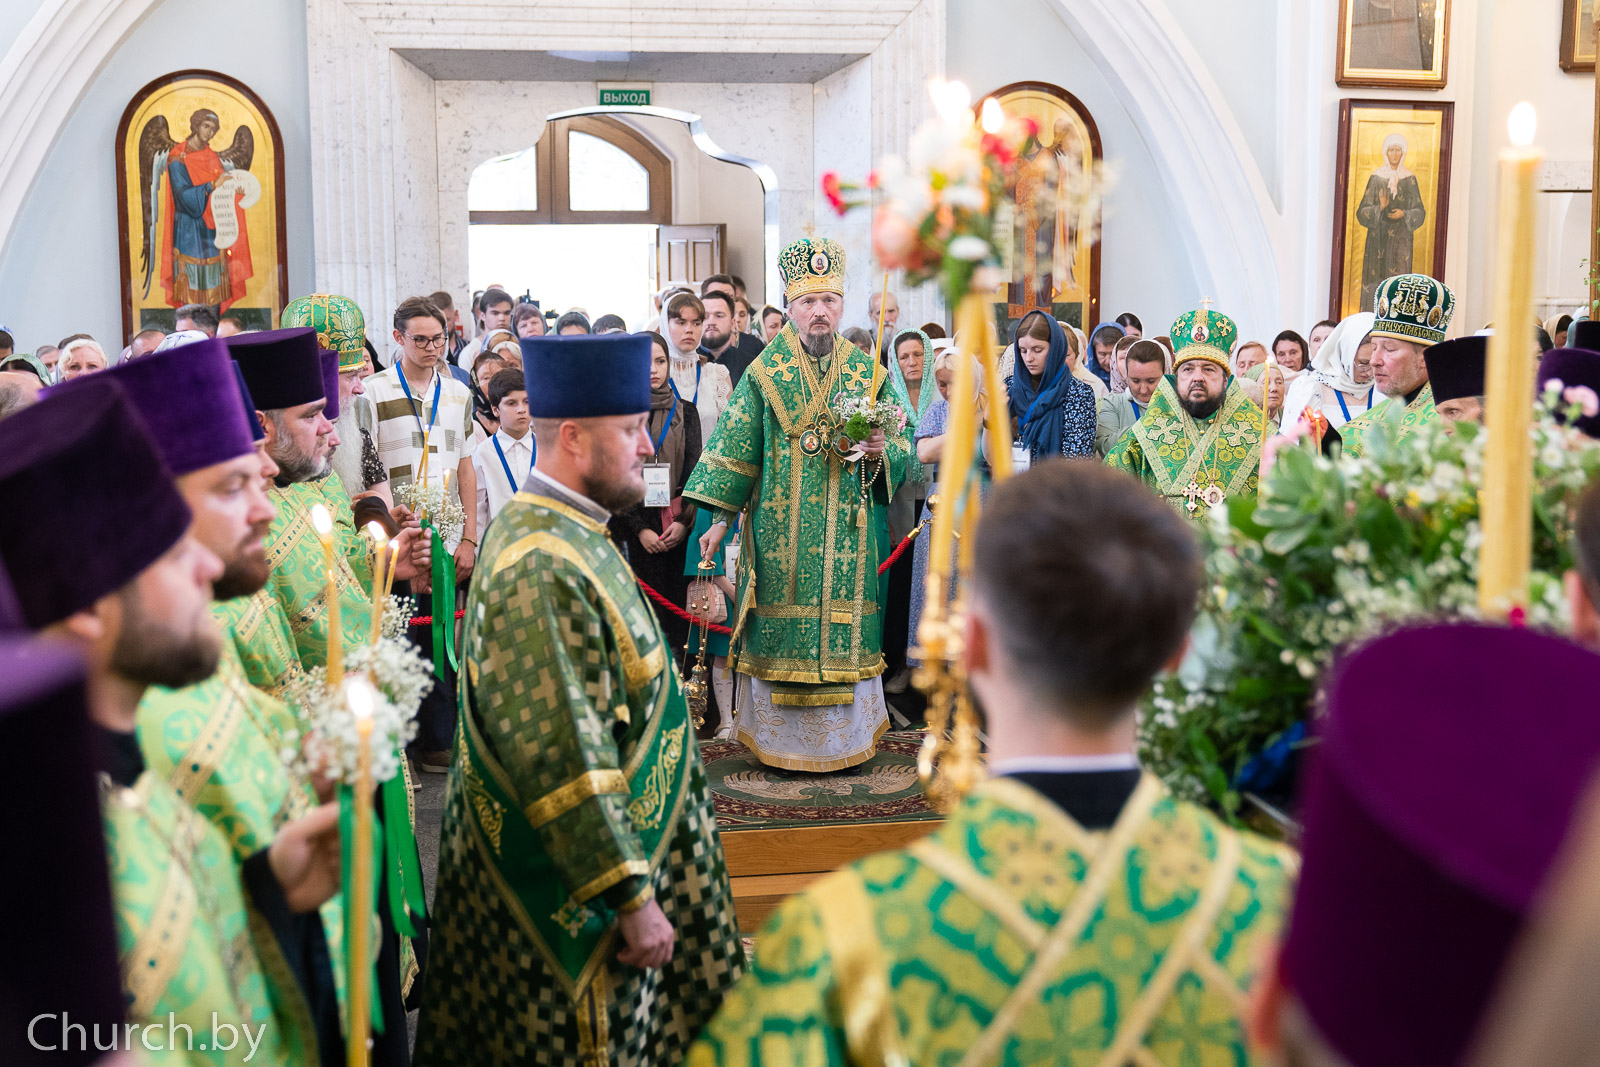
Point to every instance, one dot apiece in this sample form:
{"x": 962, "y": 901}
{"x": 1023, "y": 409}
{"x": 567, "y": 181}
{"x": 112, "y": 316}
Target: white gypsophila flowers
{"x": 400, "y": 678}
{"x": 444, "y": 509}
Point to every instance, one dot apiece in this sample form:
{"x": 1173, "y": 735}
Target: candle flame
{"x": 375, "y": 531}
{"x": 394, "y": 544}
{"x": 321, "y": 520}
{"x": 994, "y": 116}
{"x": 952, "y": 100}
{"x": 360, "y": 699}
{"x": 1522, "y": 124}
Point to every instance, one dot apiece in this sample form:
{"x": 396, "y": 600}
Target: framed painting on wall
{"x": 1396, "y": 44}
{"x": 1048, "y": 230}
{"x": 200, "y": 203}
{"x": 1392, "y": 196}
{"x": 1577, "y": 36}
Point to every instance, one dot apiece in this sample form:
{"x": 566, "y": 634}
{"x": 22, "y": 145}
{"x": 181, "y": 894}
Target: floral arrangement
{"x": 1333, "y": 553}
{"x": 860, "y": 415}
{"x": 434, "y": 501}
{"x": 941, "y": 205}
{"x": 399, "y": 676}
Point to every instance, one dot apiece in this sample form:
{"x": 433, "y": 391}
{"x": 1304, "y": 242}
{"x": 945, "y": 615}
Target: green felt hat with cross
{"x": 1413, "y": 307}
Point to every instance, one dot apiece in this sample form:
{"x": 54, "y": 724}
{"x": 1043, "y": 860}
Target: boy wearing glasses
{"x": 418, "y": 400}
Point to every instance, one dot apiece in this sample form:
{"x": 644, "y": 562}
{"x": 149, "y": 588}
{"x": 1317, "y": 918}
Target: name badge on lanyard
{"x": 657, "y": 485}
{"x": 1021, "y": 457}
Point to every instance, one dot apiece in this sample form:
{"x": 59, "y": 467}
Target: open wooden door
{"x": 687, "y": 255}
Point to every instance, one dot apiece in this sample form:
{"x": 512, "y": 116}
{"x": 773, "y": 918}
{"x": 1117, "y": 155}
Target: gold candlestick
{"x": 1266, "y": 403}
{"x": 877, "y": 351}
{"x": 323, "y": 522}
{"x": 361, "y": 882}
{"x": 1507, "y": 495}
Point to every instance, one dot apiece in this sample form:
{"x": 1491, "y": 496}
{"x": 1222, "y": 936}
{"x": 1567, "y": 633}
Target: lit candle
{"x": 1507, "y": 495}
{"x": 375, "y": 531}
{"x": 394, "y": 555}
{"x": 361, "y": 874}
{"x": 323, "y": 522}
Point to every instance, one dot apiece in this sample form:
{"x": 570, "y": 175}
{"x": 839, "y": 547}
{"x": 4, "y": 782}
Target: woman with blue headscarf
{"x": 1052, "y": 412}
{"x": 1101, "y": 357}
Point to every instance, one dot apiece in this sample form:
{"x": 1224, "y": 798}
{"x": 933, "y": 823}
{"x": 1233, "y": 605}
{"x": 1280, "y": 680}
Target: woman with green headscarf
{"x": 911, "y": 378}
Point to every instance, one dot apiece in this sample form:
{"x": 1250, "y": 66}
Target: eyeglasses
{"x": 436, "y": 341}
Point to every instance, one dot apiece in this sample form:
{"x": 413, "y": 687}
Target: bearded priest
{"x": 1200, "y": 441}
{"x": 808, "y": 620}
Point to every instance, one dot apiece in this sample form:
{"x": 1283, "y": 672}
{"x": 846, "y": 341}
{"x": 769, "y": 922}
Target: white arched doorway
{"x": 610, "y": 203}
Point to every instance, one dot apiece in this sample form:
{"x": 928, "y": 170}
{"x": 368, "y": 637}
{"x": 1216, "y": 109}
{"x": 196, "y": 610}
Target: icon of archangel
{"x": 196, "y": 244}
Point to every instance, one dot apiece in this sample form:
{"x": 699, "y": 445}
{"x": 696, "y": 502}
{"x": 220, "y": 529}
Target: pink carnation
{"x": 1586, "y": 399}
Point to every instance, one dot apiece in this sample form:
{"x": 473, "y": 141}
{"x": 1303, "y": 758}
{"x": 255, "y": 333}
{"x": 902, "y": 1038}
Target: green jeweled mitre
{"x": 812, "y": 265}
{"x": 1204, "y": 334}
{"x": 1413, "y": 307}
{"x": 339, "y": 324}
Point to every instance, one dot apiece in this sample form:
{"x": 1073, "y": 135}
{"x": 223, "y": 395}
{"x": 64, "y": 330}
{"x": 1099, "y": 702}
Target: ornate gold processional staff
{"x": 938, "y": 220}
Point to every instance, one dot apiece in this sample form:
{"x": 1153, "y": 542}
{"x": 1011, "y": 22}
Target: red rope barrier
{"x": 679, "y": 612}
{"x": 899, "y": 550}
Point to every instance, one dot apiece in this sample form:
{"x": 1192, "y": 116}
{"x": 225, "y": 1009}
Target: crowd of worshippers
{"x": 1082, "y": 393}
{"x": 1448, "y": 847}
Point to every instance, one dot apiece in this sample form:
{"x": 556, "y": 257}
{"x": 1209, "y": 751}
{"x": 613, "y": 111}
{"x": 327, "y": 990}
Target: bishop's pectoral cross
{"x": 1197, "y": 494}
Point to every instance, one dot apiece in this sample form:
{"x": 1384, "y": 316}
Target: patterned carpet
{"x": 750, "y": 795}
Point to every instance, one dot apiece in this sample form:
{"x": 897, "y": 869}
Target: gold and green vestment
{"x": 1194, "y": 463}
{"x": 224, "y": 747}
{"x": 262, "y": 639}
{"x": 1417, "y": 412}
{"x": 299, "y": 572}
{"x": 576, "y": 791}
{"x": 190, "y": 942}
{"x": 809, "y": 611}
{"x": 1013, "y": 936}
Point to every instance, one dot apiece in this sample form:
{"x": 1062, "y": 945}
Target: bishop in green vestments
{"x": 1411, "y": 313}
{"x": 808, "y": 620}
{"x": 1070, "y": 911}
{"x": 583, "y": 913}
{"x": 1199, "y": 442}
{"x": 208, "y": 935}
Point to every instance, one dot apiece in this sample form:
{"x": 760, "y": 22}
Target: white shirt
{"x": 494, "y": 490}
{"x": 706, "y": 385}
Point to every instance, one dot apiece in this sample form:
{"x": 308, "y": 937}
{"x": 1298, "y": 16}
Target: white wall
{"x": 1516, "y": 60}
{"x": 1237, "y": 42}
{"x": 707, "y": 190}
{"x": 59, "y": 274}
{"x": 770, "y": 123}
{"x": 1143, "y": 266}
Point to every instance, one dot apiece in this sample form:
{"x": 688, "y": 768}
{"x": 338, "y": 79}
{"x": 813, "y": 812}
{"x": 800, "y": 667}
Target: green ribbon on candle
{"x": 347, "y": 834}
{"x": 444, "y": 605}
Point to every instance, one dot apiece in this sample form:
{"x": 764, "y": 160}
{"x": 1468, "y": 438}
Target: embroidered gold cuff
{"x": 588, "y": 891}
{"x": 737, "y": 466}
{"x": 575, "y": 792}
{"x": 643, "y": 897}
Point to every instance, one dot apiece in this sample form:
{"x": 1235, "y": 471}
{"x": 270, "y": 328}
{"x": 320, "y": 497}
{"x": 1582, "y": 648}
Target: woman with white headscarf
{"x": 1392, "y": 210}
{"x": 1339, "y": 381}
{"x": 705, "y": 385}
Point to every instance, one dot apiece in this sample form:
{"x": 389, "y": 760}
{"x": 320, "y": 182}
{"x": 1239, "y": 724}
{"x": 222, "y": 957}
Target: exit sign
{"x": 625, "y": 97}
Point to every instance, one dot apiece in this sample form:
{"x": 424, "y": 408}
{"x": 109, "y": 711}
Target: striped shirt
{"x": 401, "y": 421}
